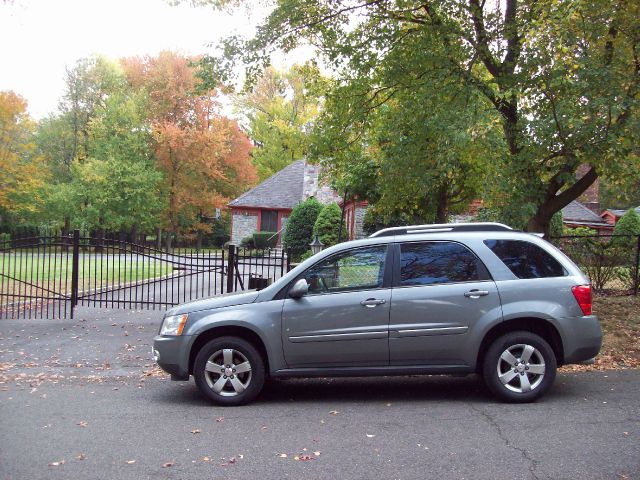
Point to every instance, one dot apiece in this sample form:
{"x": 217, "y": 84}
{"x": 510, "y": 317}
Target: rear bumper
{"x": 172, "y": 355}
{"x": 581, "y": 338}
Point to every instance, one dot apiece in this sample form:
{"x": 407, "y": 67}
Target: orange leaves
{"x": 204, "y": 157}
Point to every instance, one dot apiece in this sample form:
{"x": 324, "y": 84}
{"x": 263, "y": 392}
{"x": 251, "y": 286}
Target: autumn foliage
{"x": 204, "y": 156}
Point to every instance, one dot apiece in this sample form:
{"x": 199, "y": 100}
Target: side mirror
{"x": 299, "y": 289}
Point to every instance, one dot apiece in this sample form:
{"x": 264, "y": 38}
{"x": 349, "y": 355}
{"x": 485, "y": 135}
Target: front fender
{"x": 263, "y": 319}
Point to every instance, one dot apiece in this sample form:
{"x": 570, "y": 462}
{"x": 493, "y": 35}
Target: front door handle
{"x": 476, "y": 293}
{"x": 372, "y": 302}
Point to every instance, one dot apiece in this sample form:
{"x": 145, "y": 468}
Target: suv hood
{"x": 226, "y": 300}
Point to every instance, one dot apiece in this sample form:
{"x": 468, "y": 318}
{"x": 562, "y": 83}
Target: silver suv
{"x": 434, "y": 299}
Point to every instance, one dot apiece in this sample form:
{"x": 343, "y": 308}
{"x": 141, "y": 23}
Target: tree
{"x": 299, "y": 230}
{"x": 203, "y": 156}
{"x": 280, "y": 110}
{"x": 21, "y": 171}
{"x": 561, "y": 79}
{"x": 327, "y": 224}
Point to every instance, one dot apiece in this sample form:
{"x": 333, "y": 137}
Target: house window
{"x": 269, "y": 221}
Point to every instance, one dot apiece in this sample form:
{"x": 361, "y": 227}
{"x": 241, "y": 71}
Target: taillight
{"x": 583, "y": 296}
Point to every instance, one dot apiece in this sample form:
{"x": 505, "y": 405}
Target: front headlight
{"x": 173, "y": 325}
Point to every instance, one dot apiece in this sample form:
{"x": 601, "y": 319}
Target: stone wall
{"x": 243, "y": 226}
{"x": 359, "y": 222}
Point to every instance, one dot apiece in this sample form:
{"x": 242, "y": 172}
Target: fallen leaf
{"x": 334, "y": 412}
{"x": 56, "y": 464}
{"x": 305, "y": 457}
{"x": 205, "y": 459}
{"x": 197, "y": 430}
{"x": 168, "y": 464}
{"x": 82, "y": 424}
{"x": 240, "y": 456}
{"x": 281, "y": 455}
{"x": 130, "y": 462}
{"x": 232, "y": 460}
{"x": 317, "y": 453}
{"x": 370, "y": 435}
{"x": 220, "y": 419}
{"x": 82, "y": 456}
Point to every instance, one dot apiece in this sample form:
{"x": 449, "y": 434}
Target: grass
{"x": 620, "y": 319}
{"x": 53, "y": 272}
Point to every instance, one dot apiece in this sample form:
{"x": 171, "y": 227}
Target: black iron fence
{"x": 49, "y": 276}
{"x": 612, "y": 262}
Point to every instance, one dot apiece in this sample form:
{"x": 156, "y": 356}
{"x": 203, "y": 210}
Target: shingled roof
{"x": 576, "y": 212}
{"x": 281, "y": 190}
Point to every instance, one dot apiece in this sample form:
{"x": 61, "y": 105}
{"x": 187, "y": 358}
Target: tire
{"x": 519, "y": 367}
{"x": 216, "y": 371}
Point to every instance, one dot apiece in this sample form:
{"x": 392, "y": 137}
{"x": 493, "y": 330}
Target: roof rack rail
{"x": 442, "y": 227}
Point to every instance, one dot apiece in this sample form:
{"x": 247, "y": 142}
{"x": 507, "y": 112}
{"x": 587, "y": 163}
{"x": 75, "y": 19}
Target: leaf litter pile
{"x": 620, "y": 320}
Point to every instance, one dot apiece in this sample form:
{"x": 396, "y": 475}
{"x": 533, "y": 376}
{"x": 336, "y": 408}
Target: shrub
{"x": 328, "y": 224}
{"x": 5, "y": 237}
{"x": 247, "y": 242}
{"x": 374, "y": 220}
{"x": 628, "y": 272}
{"x": 265, "y": 239}
{"x": 299, "y": 231}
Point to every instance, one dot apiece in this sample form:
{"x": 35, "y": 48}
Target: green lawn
{"x": 53, "y": 272}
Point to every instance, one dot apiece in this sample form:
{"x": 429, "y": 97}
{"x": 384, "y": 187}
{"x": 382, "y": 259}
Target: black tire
{"x": 524, "y": 383}
{"x": 209, "y": 382}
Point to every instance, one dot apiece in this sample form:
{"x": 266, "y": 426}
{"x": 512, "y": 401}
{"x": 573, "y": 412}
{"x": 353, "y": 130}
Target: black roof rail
{"x": 442, "y": 227}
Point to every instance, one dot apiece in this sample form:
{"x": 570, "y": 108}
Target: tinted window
{"x": 438, "y": 262}
{"x": 525, "y": 259}
{"x": 352, "y": 270}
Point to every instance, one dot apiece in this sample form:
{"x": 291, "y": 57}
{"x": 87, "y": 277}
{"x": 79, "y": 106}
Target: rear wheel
{"x": 229, "y": 371}
{"x": 519, "y": 367}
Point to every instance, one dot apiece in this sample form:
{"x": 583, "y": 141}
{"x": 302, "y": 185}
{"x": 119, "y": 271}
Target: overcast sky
{"x": 40, "y": 38}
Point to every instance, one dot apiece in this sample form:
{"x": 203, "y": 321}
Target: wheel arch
{"x": 228, "y": 331}
{"x": 539, "y": 326}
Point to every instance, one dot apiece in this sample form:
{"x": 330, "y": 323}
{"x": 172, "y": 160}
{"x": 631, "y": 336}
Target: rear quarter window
{"x": 526, "y": 259}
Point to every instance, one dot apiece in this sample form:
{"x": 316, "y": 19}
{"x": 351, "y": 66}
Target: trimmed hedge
{"x": 265, "y": 239}
{"x": 328, "y": 224}
{"x": 299, "y": 231}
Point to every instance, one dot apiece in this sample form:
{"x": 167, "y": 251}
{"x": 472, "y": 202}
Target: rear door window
{"x": 429, "y": 263}
{"x": 525, "y": 259}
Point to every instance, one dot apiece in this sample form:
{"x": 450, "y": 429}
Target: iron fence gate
{"x": 49, "y": 276}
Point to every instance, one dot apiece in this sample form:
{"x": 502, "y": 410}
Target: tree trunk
{"x": 442, "y": 208}
{"x": 167, "y": 241}
{"x": 158, "y": 239}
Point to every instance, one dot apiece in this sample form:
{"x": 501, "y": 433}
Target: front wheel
{"x": 519, "y": 367}
{"x": 229, "y": 371}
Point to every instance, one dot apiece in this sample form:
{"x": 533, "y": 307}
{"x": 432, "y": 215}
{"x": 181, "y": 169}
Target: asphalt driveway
{"x": 80, "y": 399}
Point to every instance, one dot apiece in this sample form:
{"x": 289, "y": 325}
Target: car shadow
{"x": 434, "y": 388}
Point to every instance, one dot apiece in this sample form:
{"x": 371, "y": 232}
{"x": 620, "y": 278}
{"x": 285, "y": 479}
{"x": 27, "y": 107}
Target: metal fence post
{"x": 74, "y": 269}
{"x": 288, "y": 260}
{"x": 230, "y": 267}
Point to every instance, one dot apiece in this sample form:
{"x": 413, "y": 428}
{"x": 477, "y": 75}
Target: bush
{"x": 327, "y": 224}
{"x": 299, "y": 231}
{"x": 265, "y": 239}
{"x": 629, "y": 224}
{"x": 247, "y": 242}
{"x": 5, "y": 237}
{"x": 374, "y": 220}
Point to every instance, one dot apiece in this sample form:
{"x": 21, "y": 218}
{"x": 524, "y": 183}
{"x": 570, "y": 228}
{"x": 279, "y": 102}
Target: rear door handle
{"x": 372, "y": 302}
{"x": 476, "y": 293}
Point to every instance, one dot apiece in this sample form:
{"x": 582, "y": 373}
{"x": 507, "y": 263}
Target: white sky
{"x": 40, "y": 38}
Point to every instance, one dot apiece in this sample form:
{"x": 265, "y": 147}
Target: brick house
{"x": 267, "y": 206}
{"x": 612, "y": 215}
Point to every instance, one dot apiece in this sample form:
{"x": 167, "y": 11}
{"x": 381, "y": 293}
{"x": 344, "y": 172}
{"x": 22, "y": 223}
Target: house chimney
{"x": 591, "y": 196}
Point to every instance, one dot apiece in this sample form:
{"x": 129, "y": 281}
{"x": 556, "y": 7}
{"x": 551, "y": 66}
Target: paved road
{"x": 76, "y": 391}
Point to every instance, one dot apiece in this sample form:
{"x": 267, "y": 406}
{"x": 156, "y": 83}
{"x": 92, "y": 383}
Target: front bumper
{"x": 171, "y": 353}
{"x": 581, "y": 338}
